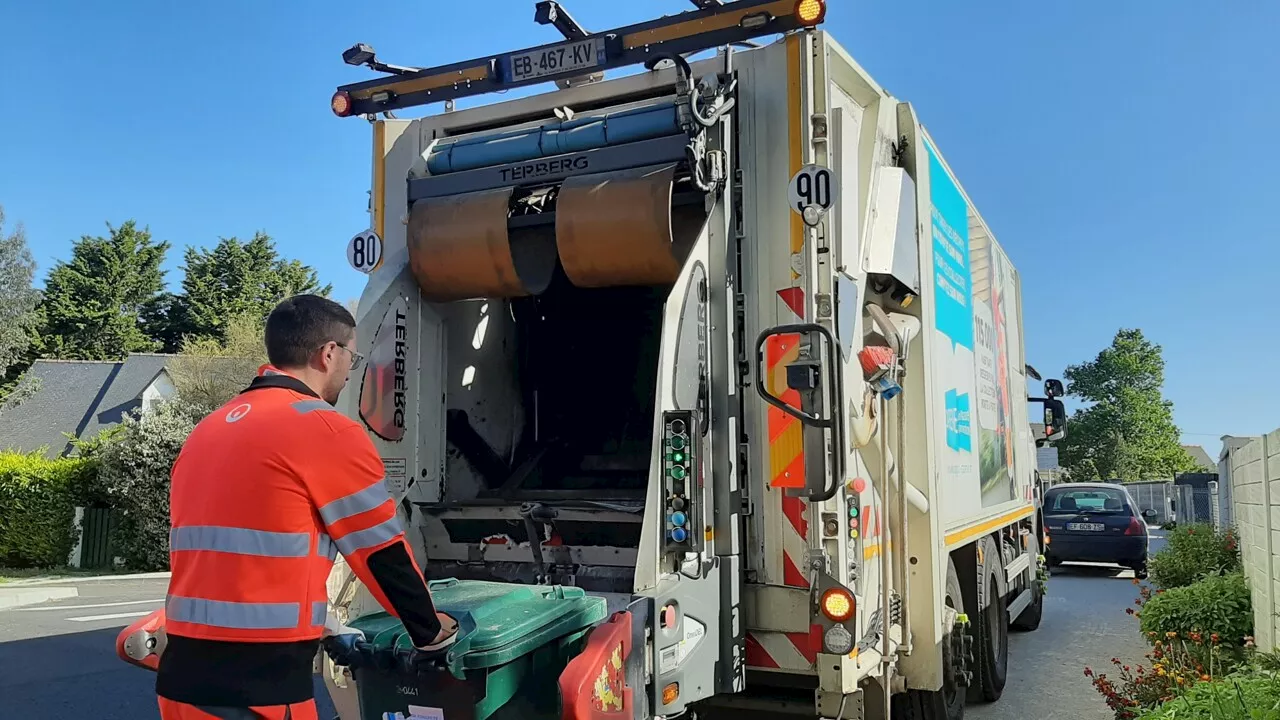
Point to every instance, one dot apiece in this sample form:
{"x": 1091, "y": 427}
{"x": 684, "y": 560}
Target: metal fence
{"x": 1179, "y": 503}
{"x": 1157, "y": 496}
{"x": 1197, "y": 504}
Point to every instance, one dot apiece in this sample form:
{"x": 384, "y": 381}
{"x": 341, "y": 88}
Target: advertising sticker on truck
{"x": 976, "y": 323}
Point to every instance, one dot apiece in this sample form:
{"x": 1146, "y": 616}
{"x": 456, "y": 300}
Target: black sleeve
{"x": 407, "y": 592}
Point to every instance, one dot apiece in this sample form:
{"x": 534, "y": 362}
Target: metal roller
{"x": 619, "y": 228}
{"x": 459, "y": 248}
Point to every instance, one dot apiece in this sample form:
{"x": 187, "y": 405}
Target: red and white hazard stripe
{"x": 784, "y": 651}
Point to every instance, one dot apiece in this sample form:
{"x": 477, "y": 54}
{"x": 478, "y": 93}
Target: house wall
{"x": 160, "y": 389}
{"x": 1255, "y": 479}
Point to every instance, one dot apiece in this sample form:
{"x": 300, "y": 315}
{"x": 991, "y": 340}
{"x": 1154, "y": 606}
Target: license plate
{"x": 566, "y": 57}
{"x": 1094, "y": 527}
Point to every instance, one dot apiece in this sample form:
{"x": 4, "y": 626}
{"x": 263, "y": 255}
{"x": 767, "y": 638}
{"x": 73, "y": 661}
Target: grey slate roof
{"x": 80, "y": 397}
{"x": 1201, "y": 457}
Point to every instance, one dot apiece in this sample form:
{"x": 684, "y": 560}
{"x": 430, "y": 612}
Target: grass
{"x": 9, "y": 575}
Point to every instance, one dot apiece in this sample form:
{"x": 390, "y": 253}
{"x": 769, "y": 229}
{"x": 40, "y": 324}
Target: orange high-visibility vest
{"x": 265, "y": 493}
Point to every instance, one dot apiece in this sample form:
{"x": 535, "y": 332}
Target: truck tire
{"x": 991, "y": 628}
{"x": 948, "y": 702}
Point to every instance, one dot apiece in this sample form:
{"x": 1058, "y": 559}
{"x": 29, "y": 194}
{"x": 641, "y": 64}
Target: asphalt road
{"x": 58, "y": 659}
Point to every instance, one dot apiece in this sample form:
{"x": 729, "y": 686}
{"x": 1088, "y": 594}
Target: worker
{"x": 265, "y": 493}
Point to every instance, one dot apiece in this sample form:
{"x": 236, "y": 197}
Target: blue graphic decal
{"x": 951, "y": 282}
{"x": 958, "y": 422}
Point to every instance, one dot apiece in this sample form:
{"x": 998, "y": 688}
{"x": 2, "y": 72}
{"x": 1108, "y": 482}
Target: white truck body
{"x": 785, "y": 510}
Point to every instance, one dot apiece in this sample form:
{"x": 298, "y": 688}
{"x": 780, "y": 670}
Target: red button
{"x": 668, "y": 617}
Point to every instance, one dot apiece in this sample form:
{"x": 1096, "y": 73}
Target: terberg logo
{"x": 533, "y": 170}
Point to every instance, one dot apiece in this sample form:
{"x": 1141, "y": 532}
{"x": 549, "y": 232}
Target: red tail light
{"x": 1136, "y": 527}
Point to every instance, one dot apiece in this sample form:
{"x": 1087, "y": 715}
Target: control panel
{"x": 680, "y": 475}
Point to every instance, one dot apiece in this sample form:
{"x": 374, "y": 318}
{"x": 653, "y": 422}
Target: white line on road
{"x": 114, "y": 616}
{"x": 89, "y": 607}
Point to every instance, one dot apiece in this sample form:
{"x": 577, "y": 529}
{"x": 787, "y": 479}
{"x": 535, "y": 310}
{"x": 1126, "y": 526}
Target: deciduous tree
{"x": 18, "y": 303}
{"x": 1126, "y": 431}
{"x": 210, "y": 372}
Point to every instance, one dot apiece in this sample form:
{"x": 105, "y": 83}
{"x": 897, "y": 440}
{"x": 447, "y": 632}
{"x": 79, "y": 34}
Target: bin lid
{"x": 498, "y": 622}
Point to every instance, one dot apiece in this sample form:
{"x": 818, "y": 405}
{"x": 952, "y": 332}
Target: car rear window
{"x": 1091, "y": 500}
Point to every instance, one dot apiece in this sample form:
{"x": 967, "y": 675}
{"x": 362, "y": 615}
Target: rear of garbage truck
{"x": 701, "y": 388}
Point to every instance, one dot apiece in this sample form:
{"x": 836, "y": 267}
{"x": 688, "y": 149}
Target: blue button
{"x": 678, "y": 518}
{"x": 679, "y": 534}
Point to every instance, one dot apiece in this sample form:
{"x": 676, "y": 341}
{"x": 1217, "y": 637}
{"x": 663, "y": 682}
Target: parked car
{"x": 1095, "y": 522}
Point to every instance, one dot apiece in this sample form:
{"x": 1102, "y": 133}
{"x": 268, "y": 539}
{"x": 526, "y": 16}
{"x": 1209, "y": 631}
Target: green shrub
{"x": 38, "y": 498}
{"x": 135, "y": 467}
{"x": 1193, "y": 551}
{"x": 1217, "y": 606}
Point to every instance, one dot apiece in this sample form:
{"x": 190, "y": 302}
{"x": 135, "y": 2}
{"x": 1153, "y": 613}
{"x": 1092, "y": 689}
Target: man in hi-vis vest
{"x": 267, "y": 490}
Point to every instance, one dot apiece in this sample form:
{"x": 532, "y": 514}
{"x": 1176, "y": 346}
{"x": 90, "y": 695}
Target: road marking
{"x": 90, "y": 607}
{"x": 114, "y": 616}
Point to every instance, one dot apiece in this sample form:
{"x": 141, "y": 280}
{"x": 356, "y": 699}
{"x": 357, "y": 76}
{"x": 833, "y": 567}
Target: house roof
{"x": 1201, "y": 457}
{"x": 80, "y": 397}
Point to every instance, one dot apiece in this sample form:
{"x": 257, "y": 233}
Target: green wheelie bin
{"x": 514, "y": 641}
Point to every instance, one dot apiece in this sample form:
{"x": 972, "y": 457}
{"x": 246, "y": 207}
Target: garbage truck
{"x": 701, "y": 387}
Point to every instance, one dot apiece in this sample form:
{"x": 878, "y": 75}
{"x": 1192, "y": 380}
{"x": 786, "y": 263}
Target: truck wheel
{"x": 948, "y": 702}
{"x": 1030, "y": 618}
{"x": 991, "y": 646}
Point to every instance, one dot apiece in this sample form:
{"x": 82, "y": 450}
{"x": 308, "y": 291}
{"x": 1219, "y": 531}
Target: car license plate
{"x": 1093, "y": 527}
{"x": 566, "y": 57}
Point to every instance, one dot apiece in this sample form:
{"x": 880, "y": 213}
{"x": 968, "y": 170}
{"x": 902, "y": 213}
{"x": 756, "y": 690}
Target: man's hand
{"x": 447, "y": 635}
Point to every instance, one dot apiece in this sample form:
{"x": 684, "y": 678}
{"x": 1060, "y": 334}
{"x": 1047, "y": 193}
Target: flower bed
{"x": 1198, "y": 617}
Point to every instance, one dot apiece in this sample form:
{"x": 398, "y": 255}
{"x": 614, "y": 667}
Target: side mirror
{"x": 1053, "y": 388}
{"x": 1055, "y": 421}
{"x": 1148, "y": 514}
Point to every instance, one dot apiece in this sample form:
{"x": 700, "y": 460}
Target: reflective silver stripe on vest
{"x": 355, "y": 503}
{"x": 375, "y": 535}
{"x": 306, "y": 406}
{"x": 325, "y": 548}
{"x": 241, "y": 541}
{"x": 319, "y": 611}
{"x": 241, "y": 616}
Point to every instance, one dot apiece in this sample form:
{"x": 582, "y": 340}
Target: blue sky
{"x": 1124, "y": 153}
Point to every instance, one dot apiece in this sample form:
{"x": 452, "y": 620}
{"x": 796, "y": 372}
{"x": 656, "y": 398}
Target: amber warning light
{"x": 811, "y": 12}
{"x": 838, "y": 604}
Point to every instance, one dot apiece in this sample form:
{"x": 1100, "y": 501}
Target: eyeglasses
{"x": 356, "y": 358}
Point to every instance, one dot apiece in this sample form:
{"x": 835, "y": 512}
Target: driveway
{"x": 1084, "y": 623}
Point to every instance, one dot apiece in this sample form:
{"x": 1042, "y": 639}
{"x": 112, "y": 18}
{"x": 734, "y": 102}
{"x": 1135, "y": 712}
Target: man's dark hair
{"x": 299, "y": 325}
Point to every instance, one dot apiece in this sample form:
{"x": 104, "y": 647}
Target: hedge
{"x": 38, "y": 498}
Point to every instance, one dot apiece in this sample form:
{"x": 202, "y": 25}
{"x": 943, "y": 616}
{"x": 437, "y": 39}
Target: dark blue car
{"x": 1094, "y": 522}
